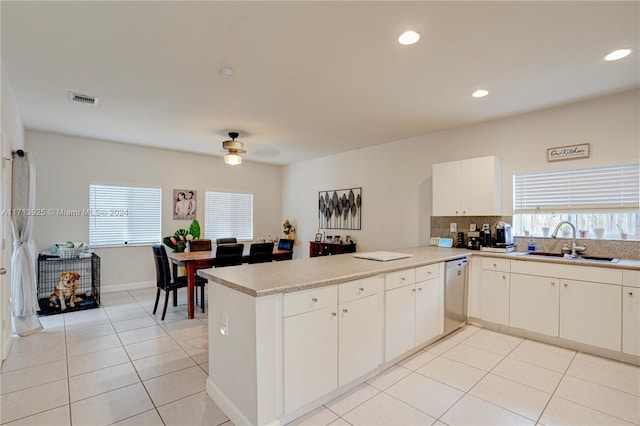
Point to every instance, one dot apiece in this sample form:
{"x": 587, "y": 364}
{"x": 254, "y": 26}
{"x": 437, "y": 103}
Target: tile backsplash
{"x": 624, "y": 249}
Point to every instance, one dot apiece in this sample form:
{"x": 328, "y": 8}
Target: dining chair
{"x": 229, "y": 255}
{"x": 164, "y": 281}
{"x": 261, "y": 252}
{"x": 200, "y": 245}
{"x": 230, "y": 240}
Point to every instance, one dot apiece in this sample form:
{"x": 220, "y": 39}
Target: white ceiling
{"x": 310, "y": 78}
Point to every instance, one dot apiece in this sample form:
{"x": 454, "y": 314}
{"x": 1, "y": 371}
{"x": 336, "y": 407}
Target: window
{"x": 228, "y": 214}
{"x": 120, "y": 215}
{"x": 603, "y": 197}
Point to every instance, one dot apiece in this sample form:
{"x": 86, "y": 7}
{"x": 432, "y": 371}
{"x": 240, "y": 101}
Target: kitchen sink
{"x": 580, "y": 257}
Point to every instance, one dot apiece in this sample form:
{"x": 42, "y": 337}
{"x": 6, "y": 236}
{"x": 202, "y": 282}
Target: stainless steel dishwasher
{"x": 455, "y": 294}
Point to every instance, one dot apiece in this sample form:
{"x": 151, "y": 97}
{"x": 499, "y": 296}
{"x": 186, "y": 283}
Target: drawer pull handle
{"x": 566, "y": 285}
{"x": 333, "y": 314}
{"x": 401, "y": 278}
{"x": 630, "y": 293}
{"x": 495, "y": 266}
{"x": 413, "y": 289}
{"x": 504, "y": 277}
{"x": 361, "y": 289}
{"x": 345, "y": 311}
{"x": 428, "y": 272}
{"x": 419, "y": 288}
{"x": 314, "y": 300}
{"x": 552, "y": 283}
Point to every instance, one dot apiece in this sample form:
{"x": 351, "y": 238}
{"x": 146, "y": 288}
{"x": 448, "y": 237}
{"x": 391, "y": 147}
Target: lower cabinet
{"x": 535, "y": 303}
{"x": 331, "y": 336}
{"x": 631, "y": 320}
{"x": 494, "y": 296}
{"x": 414, "y": 311}
{"x": 591, "y": 313}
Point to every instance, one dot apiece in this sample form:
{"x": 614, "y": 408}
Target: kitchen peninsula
{"x": 287, "y": 337}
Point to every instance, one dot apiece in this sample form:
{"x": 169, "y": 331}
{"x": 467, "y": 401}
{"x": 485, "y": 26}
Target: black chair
{"x": 230, "y": 240}
{"x": 165, "y": 281}
{"x": 200, "y": 245}
{"x": 229, "y": 255}
{"x": 285, "y": 244}
{"x": 261, "y": 252}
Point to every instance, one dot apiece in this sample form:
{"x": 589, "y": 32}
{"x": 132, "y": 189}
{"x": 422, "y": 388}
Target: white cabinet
{"x": 310, "y": 346}
{"x": 400, "y": 321}
{"x": 591, "y": 313}
{"x": 332, "y": 335}
{"x": 471, "y": 187}
{"x": 414, "y": 312}
{"x": 494, "y": 290}
{"x": 534, "y": 303}
{"x": 360, "y": 340}
{"x": 631, "y": 320}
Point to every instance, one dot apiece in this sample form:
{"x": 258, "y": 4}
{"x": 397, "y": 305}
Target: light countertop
{"x": 287, "y": 276}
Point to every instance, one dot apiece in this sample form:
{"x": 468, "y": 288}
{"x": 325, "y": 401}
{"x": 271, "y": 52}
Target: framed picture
{"x": 318, "y": 238}
{"x": 340, "y": 209}
{"x": 184, "y": 204}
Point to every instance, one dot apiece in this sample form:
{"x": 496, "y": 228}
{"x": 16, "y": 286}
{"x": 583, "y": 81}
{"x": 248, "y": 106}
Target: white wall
{"x": 396, "y": 177}
{"x": 67, "y": 165}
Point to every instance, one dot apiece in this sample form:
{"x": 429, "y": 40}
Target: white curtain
{"x": 24, "y": 297}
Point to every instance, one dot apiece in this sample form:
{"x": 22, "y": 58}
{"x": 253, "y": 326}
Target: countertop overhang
{"x": 263, "y": 279}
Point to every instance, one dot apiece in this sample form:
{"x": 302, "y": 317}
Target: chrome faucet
{"x": 574, "y": 248}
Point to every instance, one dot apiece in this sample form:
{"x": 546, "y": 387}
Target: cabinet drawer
{"x": 494, "y": 264}
{"x": 427, "y": 272}
{"x": 631, "y": 278}
{"x": 309, "y": 300}
{"x": 400, "y": 278}
{"x": 357, "y": 289}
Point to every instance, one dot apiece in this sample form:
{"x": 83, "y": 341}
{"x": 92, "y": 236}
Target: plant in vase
{"x": 178, "y": 242}
{"x": 598, "y": 231}
{"x": 547, "y": 222}
{"x": 566, "y": 230}
{"x": 623, "y": 234}
{"x": 583, "y": 233}
{"x": 288, "y": 229}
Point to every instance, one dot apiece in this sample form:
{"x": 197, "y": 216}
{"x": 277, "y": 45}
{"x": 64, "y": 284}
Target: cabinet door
{"x": 591, "y": 313}
{"x": 494, "y": 304}
{"x": 360, "y": 339}
{"x": 446, "y": 189}
{"x": 631, "y": 320}
{"x": 310, "y": 356}
{"x": 429, "y": 310}
{"x": 400, "y": 321}
{"x": 481, "y": 186}
{"x": 535, "y": 304}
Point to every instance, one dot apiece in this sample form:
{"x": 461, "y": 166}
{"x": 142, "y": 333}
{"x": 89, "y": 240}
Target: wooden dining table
{"x": 206, "y": 259}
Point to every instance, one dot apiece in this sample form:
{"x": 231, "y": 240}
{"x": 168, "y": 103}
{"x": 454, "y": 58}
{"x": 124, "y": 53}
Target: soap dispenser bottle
{"x": 532, "y": 245}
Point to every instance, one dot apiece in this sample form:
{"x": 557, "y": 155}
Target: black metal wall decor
{"x": 340, "y": 209}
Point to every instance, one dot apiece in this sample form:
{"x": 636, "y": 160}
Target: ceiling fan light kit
{"x": 234, "y": 149}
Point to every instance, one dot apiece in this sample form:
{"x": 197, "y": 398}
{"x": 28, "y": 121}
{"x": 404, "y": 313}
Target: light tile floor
{"x": 120, "y": 364}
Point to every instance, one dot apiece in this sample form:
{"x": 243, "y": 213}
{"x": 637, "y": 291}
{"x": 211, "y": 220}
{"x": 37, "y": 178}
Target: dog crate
{"x": 50, "y": 270}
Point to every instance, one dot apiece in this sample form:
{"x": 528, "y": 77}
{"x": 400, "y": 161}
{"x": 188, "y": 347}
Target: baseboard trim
{"x": 127, "y": 286}
{"x": 227, "y": 407}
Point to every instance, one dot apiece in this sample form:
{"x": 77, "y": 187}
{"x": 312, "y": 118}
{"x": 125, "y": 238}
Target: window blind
{"x": 584, "y": 190}
{"x": 122, "y": 215}
{"x": 228, "y": 214}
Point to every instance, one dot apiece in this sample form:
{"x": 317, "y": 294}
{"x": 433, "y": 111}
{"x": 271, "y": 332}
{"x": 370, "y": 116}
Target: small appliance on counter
{"x": 460, "y": 240}
{"x": 485, "y": 237}
{"x": 504, "y": 237}
{"x": 474, "y": 240}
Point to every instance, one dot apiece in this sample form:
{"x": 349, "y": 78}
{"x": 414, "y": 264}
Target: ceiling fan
{"x": 233, "y": 148}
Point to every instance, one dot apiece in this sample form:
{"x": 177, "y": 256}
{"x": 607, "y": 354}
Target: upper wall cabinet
{"x": 470, "y": 187}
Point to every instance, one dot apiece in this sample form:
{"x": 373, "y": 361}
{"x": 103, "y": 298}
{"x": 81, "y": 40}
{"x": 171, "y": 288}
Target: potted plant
{"x": 583, "y": 233}
{"x": 547, "y": 221}
{"x": 598, "y": 231}
{"x": 566, "y": 230}
{"x": 623, "y": 235}
{"x": 526, "y": 232}
{"x": 288, "y": 229}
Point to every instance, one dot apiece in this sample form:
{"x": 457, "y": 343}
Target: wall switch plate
{"x": 434, "y": 241}
{"x": 453, "y": 227}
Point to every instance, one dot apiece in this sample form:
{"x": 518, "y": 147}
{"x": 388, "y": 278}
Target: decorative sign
{"x": 570, "y": 152}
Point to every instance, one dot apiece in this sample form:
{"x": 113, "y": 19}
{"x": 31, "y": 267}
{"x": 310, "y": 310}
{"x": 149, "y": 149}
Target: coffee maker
{"x": 474, "y": 240}
{"x": 504, "y": 237}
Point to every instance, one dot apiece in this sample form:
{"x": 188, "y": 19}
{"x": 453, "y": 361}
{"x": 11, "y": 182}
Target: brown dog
{"x": 65, "y": 289}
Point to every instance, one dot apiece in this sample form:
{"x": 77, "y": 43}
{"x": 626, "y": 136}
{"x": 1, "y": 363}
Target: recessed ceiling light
{"x": 480, "y": 93}
{"x": 617, "y": 54}
{"x": 409, "y": 37}
{"x": 225, "y": 72}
